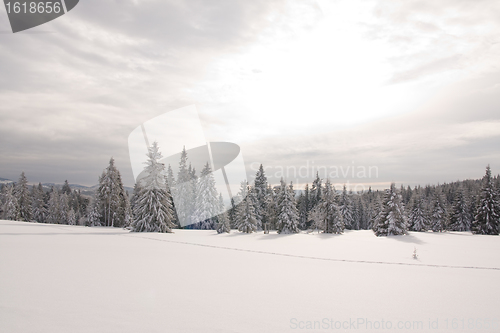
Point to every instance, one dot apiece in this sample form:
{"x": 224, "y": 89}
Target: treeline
{"x": 21, "y": 202}
{"x": 109, "y": 207}
{"x": 470, "y": 205}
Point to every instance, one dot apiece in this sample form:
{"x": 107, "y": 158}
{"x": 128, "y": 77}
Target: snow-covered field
{"x": 58, "y": 278}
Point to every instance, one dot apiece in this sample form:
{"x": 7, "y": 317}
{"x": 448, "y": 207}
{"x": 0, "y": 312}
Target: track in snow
{"x": 316, "y": 258}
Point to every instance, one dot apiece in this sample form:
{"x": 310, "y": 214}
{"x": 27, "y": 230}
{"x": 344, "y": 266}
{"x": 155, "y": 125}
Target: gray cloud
{"x": 70, "y": 97}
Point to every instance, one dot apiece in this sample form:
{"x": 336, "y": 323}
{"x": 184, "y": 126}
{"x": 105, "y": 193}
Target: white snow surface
{"x": 59, "y": 278}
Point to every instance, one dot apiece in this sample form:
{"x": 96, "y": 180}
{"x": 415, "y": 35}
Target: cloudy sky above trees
{"x": 411, "y": 88}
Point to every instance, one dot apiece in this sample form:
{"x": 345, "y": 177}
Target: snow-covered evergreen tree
{"x": 71, "y": 217}
{"x": 112, "y": 197}
{"x": 271, "y": 212}
{"x": 66, "y": 189}
{"x": 231, "y": 214}
{"x": 260, "y": 192}
{"x": 497, "y": 184}
{"x": 54, "y": 210}
{"x": 362, "y": 212}
{"x": 417, "y": 219}
{"x": 326, "y": 214}
{"x": 316, "y": 192}
{"x": 123, "y": 213}
{"x": 438, "y": 211}
{"x": 304, "y": 209}
{"x": 356, "y": 213}
{"x": 288, "y": 216}
{"x": 193, "y": 181}
{"x": 135, "y": 195}
{"x": 392, "y": 220}
{"x": 406, "y": 194}
{"x": 39, "y": 206}
{"x": 460, "y": 218}
{"x": 80, "y": 204}
{"x": 377, "y": 210}
{"x": 170, "y": 178}
{"x": 171, "y": 188}
{"x": 253, "y": 195}
{"x": 487, "y": 219}
{"x": 93, "y": 216}
{"x": 2, "y": 197}
{"x": 24, "y": 199}
{"x": 63, "y": 208}
{"x": 223, "y": 225}
{"x": 153, "y": 208}
{"x": 346, "y": 209}
{"x": 10, "y": 207}
{"x": 184, "y": 191}
{"x": 207, "y": 202}
{"x": 246, "y": 219}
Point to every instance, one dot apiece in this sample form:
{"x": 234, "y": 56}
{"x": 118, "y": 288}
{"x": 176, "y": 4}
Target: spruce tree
{"x": 438, "y": 211}
{"x": 363, "y": 212}
{"x": 71, "y": 217}
{"x": 207, "y": 201}
{"x": 54, "y": 210}
{"x": 82, "y": 205}
{"x": 356, "y": 211}
{"x": 497, "y": 184}
{"x": 135, "y": 195}
{"x": 223, "y": 225}
{"x": 304, "y": 212}
{"x": 252, "y": 193}
{"x": 123, "y": 213}
{"x": 153, "y": 208}
{"x": 39, "y": 206}
{"x": 302, "y": 208}
{"x": 288, "y": 216}
{"x": 392, "y": 220}
{"x": 460, "y": 218}
{"x": 231, "y": 214}
{"x": 316, "y": 192}
{"x": 24, "y": 199}
{"x": 184, "y": 191}
{"x": 63, "y": 208}
{"x": 3, "y": 190}
{"x": 246, "y": 219}
{"x": 326, "y": 214}
{"x": 487, "y": 219}
{"x": 378, "y": 208}
{"x": 260, "y": 192}
{"x": 170, "y": 178}
{"x": 93, "y": 215}
{"x": 112, "y": 197}
{"x": 10, "y": 206}
{"x": 66, "y": 189}
{"x": 271, "y": 212}
{"x": 346, "y": 209}
{"x": 417, "y": 219}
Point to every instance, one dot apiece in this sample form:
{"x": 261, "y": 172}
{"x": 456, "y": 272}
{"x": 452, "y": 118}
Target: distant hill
{"x": 86, "y": 190}
{"x": 5, "y": 181}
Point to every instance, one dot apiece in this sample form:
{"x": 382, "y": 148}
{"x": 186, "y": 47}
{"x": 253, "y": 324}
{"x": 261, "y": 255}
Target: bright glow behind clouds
{"x": 349, "y": 64}
{"x": 321, "y": 78}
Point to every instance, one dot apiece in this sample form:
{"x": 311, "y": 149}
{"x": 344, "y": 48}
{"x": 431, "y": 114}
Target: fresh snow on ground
{"x": 59, "y": 278}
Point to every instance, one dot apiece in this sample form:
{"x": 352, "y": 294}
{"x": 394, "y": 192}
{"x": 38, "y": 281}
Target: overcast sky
{"x": 408, "y": 88}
